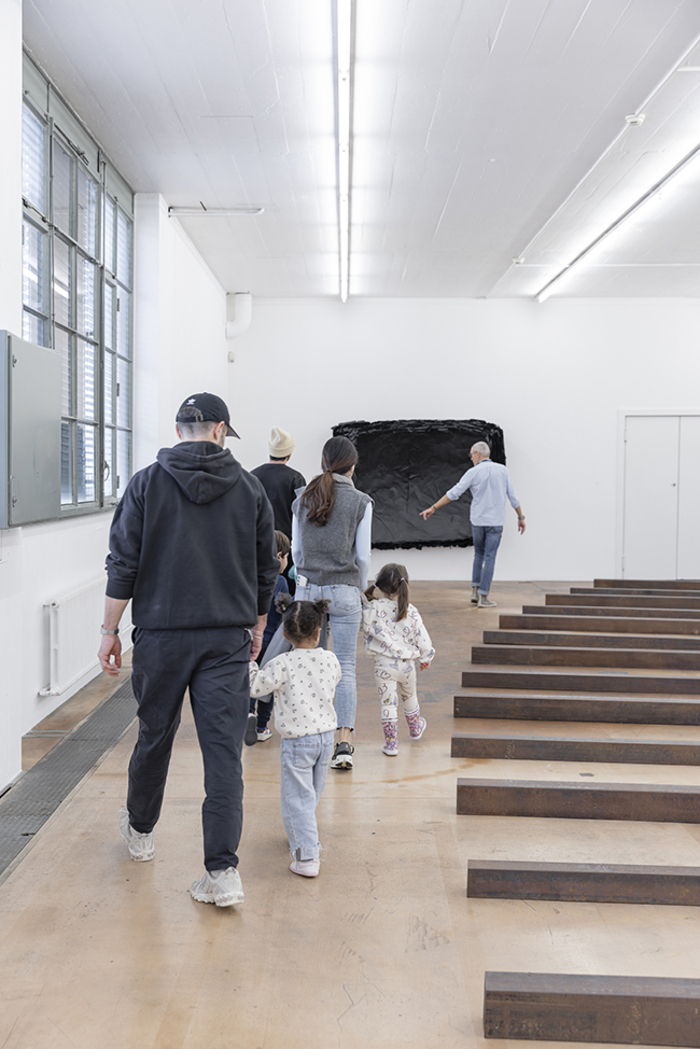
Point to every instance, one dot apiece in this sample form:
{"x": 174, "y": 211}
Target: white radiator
{"x": 74, "y": 634}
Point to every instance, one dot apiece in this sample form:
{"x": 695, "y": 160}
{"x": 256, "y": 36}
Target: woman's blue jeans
{"x": 487, "y": 539}
{"x": 345, "y": 614}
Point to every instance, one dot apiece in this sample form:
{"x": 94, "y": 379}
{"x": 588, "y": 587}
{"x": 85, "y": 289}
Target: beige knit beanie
{"x": 281, "y": 443}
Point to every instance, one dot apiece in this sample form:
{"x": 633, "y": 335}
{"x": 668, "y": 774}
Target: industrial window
{"x": 77, "y": 291}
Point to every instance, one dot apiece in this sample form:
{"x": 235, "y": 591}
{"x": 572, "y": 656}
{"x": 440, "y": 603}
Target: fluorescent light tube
{"x": 344, "y": 41}
{"x": 214, "y": 213}
{"x": 550, "y": 286}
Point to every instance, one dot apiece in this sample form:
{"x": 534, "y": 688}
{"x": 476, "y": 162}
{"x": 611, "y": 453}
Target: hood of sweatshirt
{"x": 203, "y": 470}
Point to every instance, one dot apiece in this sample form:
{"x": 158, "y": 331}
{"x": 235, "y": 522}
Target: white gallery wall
{"x": 554, "y": 376}
{"x": 179, "y": 326}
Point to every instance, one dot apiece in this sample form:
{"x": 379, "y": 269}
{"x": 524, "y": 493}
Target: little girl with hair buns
{"x": 303, "y": 682}
{"x": 395, "y": 637}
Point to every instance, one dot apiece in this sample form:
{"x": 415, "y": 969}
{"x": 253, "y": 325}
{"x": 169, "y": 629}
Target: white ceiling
{"x": 483, "y": 131}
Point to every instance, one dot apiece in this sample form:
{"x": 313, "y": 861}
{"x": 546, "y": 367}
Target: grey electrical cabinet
{"x": 30, "y": 432}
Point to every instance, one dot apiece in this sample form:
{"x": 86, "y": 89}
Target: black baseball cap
{"x": 210, "y": 408}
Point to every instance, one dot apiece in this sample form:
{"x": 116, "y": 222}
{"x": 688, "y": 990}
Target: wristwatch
{"x": 104, "y": 631}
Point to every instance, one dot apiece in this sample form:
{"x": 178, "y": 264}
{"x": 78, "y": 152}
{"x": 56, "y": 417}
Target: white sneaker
{"x": 263, "y": 734}
{"x": 485, "y": 603}
{"x": 140, "y": 845}
{"x": 307, "y": 868}
{"x": 220, "y": 887}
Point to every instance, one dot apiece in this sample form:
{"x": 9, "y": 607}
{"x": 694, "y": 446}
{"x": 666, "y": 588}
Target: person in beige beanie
{"x": 280, "y": 445}
{"x": 279, "y": 480}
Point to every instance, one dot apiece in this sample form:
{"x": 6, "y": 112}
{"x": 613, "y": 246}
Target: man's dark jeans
{"x": 213, "y": 664}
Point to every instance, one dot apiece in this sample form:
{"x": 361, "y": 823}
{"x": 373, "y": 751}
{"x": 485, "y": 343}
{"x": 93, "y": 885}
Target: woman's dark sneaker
{"x": 342, "y": 756}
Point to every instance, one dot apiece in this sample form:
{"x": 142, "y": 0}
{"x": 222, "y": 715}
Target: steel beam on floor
{"x": 584, "y": 640}
{"x": 644, "y": 1010}
{"x": 557, "y": 681}
{"x": 611, "y": 612}
{"x": 659, "y": 584}
{"x": 634, "y": 710}
{"x": 557, "y": 656}
{"x": 624, "y": 601}
{"x": 586, "y": 623}
{"x": 637, "y": 592}
{"x": 583, "y": 882}
{"x": 642, "y": 802}
{"x": 562, "y": 748}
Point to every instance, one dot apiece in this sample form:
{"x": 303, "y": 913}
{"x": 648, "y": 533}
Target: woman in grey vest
{"x": 331, "y": 544}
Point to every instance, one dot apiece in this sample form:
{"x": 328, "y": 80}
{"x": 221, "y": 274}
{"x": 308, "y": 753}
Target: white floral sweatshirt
{"x": 303, "y": 682}
{"x": 396, "y": 639}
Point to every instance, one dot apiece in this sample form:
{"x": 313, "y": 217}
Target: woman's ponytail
{"x": 339, "y": 456}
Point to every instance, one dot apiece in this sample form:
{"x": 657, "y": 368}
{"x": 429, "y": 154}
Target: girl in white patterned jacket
{"x": 303, "y": 682}
{"x": 395, "y": 637}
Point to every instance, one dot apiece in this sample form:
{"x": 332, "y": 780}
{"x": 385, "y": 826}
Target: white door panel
{"x": 651, "y": 497}
{"x": 688, "y": 566}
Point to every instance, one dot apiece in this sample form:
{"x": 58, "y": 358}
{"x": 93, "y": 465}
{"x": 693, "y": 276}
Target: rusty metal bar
{"x": 583, "y": 1008}
{"x": 584, "y": 882}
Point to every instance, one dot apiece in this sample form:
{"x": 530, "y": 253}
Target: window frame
{"x": 112, "y": 279}
{"x": 62, "y": 129}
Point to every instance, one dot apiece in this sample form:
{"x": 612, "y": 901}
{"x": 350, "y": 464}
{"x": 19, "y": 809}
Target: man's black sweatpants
{"x": 213, "y": 664}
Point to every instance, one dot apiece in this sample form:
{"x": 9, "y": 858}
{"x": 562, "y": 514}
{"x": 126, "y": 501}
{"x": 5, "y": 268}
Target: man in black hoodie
{"x": 192, "y": 545}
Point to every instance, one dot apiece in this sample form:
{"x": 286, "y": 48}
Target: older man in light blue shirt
{"x": 490, "y": 485}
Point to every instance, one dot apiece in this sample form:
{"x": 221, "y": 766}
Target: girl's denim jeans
{"x": 304, "y": 766}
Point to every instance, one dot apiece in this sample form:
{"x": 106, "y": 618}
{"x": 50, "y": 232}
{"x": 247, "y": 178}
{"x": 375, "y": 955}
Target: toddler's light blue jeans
{"x": 304, "y": 766}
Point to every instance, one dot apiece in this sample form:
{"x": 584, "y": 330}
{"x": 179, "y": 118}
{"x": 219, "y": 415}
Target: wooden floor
{"x": 383, "y": 949}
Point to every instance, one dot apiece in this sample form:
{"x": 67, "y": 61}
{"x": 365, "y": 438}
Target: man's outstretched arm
{"x": 425, "y": 514}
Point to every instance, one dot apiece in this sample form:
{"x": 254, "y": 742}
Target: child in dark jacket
{"x": 257, "y": 730}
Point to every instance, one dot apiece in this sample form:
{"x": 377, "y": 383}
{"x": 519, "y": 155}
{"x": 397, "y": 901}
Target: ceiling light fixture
{"x": 551, "y": 285}
{"x": 213, "y": 213}
{"x": 343, "y": 11}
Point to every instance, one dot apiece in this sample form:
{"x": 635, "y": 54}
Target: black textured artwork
{"x": 406, "y": 465}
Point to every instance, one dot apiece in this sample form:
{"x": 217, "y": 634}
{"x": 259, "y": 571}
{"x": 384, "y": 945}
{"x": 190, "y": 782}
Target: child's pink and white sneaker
{"x": 391, "y": 738}
{"x": 416, "y": 724}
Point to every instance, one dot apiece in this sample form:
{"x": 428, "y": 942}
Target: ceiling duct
{"x": 239, "y": 314}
